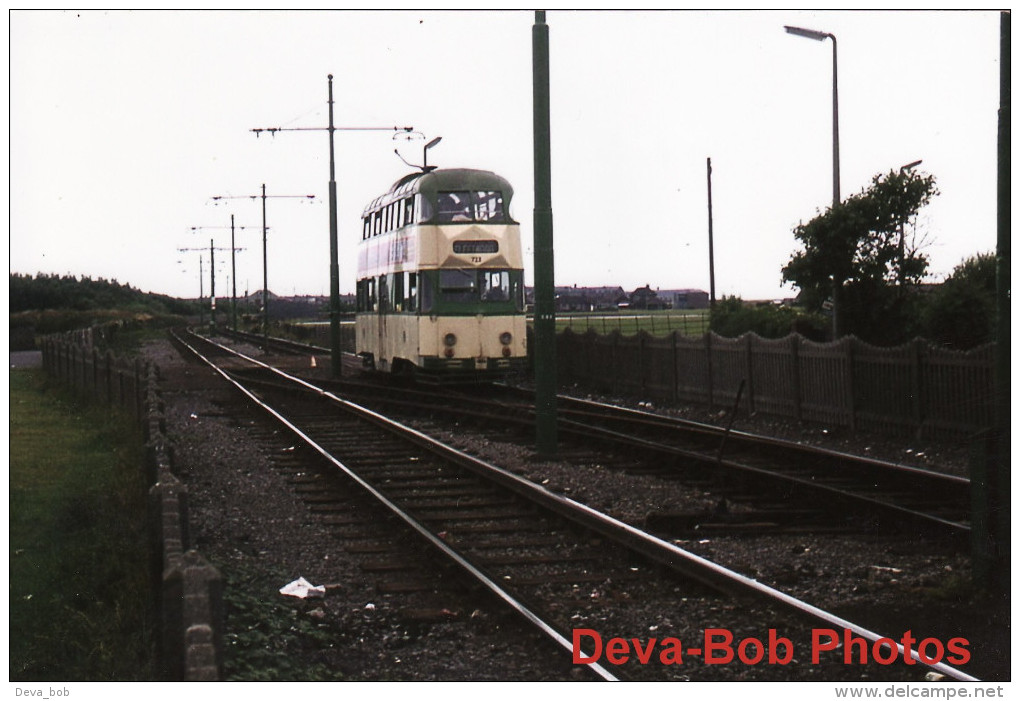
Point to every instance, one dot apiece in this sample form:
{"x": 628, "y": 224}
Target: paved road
{"x": 26, "y": 359}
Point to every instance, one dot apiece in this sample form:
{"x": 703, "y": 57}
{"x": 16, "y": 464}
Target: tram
{"x": 440, "y": 288}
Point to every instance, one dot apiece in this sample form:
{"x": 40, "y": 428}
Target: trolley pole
{"x": 545, "y": 301}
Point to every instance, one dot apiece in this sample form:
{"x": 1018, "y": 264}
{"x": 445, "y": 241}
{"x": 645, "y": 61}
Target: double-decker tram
{"x": 440, "y": 289}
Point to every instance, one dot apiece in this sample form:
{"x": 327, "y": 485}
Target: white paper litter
{"x": 303, "y": 589}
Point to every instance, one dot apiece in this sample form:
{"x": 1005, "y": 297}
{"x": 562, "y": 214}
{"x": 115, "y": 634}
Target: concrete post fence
{"x": 917, "y": 388}
{"x": 190, "y": 590}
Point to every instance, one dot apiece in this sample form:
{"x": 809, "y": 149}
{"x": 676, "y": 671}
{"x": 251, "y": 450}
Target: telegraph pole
{"x": 336, "y": 356}
{"x": 265, "y": 258}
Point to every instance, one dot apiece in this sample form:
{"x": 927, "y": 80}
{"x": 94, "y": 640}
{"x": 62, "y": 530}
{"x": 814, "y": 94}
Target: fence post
{"x": 849, "y": 344}
{"x": 795, "y": 380}
{"x": 708, "y": 358}
{"x": 139, "y": 390}
{"x": 675, "y": 371}
{"x": 615, "y": 354}
{"x": 917, "y": 384}
{"x": 750, "y": 372}
{"x": 75, "y": 378}
{"x": 642, "y": 363}
{"x": 95, "y": 372}
{"x": 109, "y": 377}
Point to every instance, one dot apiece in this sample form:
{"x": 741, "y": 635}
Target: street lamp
{"x": 822, "y": 36}
{"x": 903, "y": 248}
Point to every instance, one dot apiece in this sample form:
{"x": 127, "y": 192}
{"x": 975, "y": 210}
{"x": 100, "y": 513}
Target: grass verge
{"x": 81, "y": 597}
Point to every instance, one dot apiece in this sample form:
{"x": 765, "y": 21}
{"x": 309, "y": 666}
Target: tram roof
{"x": 449, "y": 179}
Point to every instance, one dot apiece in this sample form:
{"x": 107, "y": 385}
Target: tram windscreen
{"x": 475, "y": 285}
{"x": 458, "y": 285}
{"x": 495, "y": 285}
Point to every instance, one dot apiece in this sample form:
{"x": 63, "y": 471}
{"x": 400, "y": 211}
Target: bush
{"x": 961, "y": 313}
{"x": 731, "y": 317}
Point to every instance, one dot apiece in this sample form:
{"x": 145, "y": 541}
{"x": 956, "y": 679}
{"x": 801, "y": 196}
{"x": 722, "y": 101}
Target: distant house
{"x": 595, "y": 299}
{"x": 585, "y": 299}
{"x": 685, "y": 299}
{"x": 646, "y": 298}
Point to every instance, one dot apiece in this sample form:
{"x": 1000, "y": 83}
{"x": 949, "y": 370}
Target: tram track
{"x": 762, "y": 482}
{"x": 446, "y": 500}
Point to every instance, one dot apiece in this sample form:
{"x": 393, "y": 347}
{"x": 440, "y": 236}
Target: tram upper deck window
{"x": 468, "y": 206}
{"x": 489, "y": 206}
{"x": 453, "y": 207}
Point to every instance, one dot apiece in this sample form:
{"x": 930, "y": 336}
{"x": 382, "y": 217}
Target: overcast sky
{"x": 125, "y": 125}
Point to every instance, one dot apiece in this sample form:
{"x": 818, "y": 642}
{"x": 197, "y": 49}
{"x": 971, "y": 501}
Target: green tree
{"x": 855, "y": 256}
{"x": 961, "y": 313}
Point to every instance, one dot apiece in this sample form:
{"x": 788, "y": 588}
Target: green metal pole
{"x": 336, "y": 357}
{"x": 1002, "y": 486}
{"x": 711, "y": 243}
{"x": 545, "y": 309}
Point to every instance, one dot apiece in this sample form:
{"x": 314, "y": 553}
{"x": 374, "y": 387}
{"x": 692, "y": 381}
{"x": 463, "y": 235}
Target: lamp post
{"x": 822, "y": 36}
{"x": 903, "y": 247}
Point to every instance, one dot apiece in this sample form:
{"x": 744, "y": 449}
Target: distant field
{"x": 692, "y": 322}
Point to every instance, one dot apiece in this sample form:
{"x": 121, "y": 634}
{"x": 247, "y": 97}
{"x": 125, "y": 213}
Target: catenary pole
{"x": 1002, "y": 257}
{"x": 336, "y": 356}
{"x": 545, "y": 310}
{"x": 711, "y": 243}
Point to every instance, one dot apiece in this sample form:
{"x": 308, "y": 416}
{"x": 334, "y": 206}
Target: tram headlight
{"x": 450, "y": 340}
{"x": 506, "y": 351}
{"x": 505, "y": 338}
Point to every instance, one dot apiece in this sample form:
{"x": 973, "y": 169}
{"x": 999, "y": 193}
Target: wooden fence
{"x": 915, "y": 388}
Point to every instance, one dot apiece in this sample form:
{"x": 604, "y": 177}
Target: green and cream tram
{"x": 441, "y": 277}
